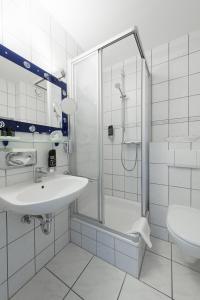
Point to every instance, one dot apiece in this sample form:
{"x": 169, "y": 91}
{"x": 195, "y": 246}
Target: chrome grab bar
{"x": 89, "y": 179}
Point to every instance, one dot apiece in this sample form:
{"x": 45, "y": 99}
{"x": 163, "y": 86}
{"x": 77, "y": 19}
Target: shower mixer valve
{"x": 110, "y": 130}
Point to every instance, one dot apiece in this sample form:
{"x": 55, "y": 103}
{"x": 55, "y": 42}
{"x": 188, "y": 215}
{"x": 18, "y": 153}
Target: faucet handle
{"x": 40, "y": 170}
{"x": 67, "y": 172}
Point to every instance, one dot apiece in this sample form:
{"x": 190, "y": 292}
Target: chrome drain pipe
{"x": 45, "y": 221}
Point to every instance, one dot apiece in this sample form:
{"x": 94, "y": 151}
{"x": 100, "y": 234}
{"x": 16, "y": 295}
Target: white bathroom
{"x": 99, "y": 150}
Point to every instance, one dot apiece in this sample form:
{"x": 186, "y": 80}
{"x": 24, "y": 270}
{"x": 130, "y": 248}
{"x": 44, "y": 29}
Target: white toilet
{"x": 183, "y": 224}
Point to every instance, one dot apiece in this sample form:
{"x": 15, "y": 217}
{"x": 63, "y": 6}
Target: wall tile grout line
{"x": 34, "y": 246}
{"x": 188, "y": 40}
{"x": 152, "y": 251}
{"x": 65, "y": 297}
{"x": 99, "y": 242}
{"x": 168, "y": 85}
{"x": 56, "y": 276}
{"x": 171, "y": 263}
{"x": 21, "y": 236}
{"x": 33, "y": 260}
{"x": 54, "y": 235}
{"x": 152, "y": 287}
{"x": 175, "y": 186}
{"x": 82, "y": 272}
{"x": 29, "y": 231}
{"x": 28, "y": 262}
{"x": 29, "y": 280}
{"x": 7, "y": 253}
{"x": 171, "y": 257}
{"x": 121, "y": 288}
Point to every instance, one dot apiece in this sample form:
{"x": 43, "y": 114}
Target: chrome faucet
{"x": 39, "y": 173}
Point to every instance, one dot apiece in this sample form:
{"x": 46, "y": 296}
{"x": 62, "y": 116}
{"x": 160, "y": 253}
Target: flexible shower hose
{"x": 122, "y": 159}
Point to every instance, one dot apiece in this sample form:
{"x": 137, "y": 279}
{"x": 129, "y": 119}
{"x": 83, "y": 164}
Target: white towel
{"x": 141, "y": 226}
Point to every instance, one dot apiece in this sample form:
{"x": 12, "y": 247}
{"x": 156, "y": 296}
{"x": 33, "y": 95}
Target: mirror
{"x": 26, "y": 96}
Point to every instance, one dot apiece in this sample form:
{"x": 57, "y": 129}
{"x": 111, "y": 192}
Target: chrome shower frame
{"x": 145, "y": 125}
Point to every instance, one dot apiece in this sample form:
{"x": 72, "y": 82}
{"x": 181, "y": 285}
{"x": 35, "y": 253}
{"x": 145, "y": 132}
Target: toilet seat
{"x": 183, "y": 224}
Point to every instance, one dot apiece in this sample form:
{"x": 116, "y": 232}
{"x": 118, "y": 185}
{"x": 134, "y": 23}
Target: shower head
{"x": 118, "y": 87}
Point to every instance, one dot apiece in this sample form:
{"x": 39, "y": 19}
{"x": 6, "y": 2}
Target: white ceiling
{"x": 91, "y": 22}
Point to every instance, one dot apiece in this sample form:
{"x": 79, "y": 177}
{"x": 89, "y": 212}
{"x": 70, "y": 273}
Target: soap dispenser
{"x": 52, "y": 159}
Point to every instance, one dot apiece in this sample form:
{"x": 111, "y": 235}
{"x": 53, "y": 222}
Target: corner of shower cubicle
{"x": 146, "y": 133}
{"x": 88, "y": 230}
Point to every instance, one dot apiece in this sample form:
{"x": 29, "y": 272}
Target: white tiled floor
{"x": 156, "y": 272}
{"x": 75, "y": 274}
{"x": 69, "y": 263}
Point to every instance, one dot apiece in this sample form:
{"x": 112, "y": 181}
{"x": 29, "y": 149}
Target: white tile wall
{"x": 159, "y": 173}
{"x": 194, "y": 41}
{"x": 160, "y": 73}
{"x": 176, "y": 75}
{"x": 179, "y": 184}
{"x": 20, "y": 252}
{"x": 40, "y": 39}
{"x": 159, "y": 132}
{"x": 159, "y": 111}
{"x": 44, "y": 257}
{"x": 195, "y": 201}
{"x": 179, "y": 196}
{"x": 21, "y": 277}
{"x": 159, "y": 194}
{"x": 117, "y": 181}
{"x": 178, "y": 67}
{"x": 178, "y": 88}
{"x": 194, "y": 63}
{"x": 178, "y": 108}
{"x": 160, "y": 92}
{"x": 160, "y": 54}
{"x": 178, "y": 47}
{"x": 179, "y": 177}
{"x": 194, "y": 88}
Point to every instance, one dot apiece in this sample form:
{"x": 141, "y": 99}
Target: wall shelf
{"x": 132, "y": 142}
{"x": 183, "y": 139}
{"x": 184, "y": 166}
{"x": 21, "y": 140}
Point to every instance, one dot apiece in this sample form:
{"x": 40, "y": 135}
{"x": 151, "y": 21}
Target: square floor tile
{"x": 161, "y": 247}
{"x": 156, "y": 271}
{"x": 43, "y": 286}
{"x": 3, "y": 265}
{"x": 3, "y": 291}
{"x": 100, "y": 280}
{"x": 189, "y": 262}
{"x": 69, "y": 263}
{"x": 72, "y": 296}
{"x": 135, "y": 289}
{"x": 186, "y": 283}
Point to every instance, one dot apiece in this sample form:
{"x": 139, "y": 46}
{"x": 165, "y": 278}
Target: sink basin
{"x": 53, "y": 193}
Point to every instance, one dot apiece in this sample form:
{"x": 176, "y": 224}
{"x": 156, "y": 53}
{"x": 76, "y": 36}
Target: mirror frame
{"x": 29, "y": 66}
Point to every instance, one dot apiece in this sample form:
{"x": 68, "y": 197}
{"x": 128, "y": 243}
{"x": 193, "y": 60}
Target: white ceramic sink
{"x": 53, "y": 193}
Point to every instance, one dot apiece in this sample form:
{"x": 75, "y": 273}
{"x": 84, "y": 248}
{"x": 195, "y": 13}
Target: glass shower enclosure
{"x": 111, "y": 131}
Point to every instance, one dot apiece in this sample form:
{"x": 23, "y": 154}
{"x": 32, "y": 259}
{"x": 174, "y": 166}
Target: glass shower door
{"x": 85, "y": 77}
